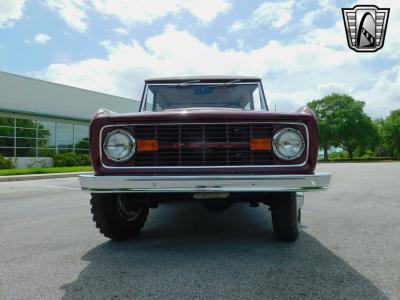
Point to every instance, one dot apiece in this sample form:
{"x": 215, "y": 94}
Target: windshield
{"x": 245, "y": 96}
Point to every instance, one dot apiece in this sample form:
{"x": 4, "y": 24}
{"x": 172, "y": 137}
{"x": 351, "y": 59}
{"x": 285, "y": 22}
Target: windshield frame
{"x": 147, "y": 85}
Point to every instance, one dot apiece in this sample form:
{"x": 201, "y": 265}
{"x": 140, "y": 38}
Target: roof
{"x": 29, "y": 96}
{"x": 3, "y": 73}
{"x": 209, "y": 78}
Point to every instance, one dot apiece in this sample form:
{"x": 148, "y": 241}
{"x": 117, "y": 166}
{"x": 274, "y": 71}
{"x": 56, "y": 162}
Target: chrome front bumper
{"x": 205, "y": 183}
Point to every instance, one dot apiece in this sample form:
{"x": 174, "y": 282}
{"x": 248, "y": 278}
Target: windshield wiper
{"x": 185, "y": 83}
{"x": 191, "y": 82}
{"x": 229, "y": 82}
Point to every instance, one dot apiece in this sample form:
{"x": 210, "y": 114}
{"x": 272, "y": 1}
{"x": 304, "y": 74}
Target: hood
{"x": 188, "y": 109}
{"x": 208, "y": 114}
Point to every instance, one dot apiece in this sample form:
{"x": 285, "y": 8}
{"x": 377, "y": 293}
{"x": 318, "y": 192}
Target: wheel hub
{"x": 127, "y": 210}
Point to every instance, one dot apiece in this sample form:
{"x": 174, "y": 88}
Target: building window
{"x": 64, "y": 137}
{"x": 7, "y": 132}
{"x": 35, "y": 138}
{"x": 26, "y": 137}
{"x": 81, "y": 138}
{"x": 46, "y": 138}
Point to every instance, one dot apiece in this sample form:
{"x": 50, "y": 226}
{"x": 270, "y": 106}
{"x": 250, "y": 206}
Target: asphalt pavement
{"x": 349, "y": 247}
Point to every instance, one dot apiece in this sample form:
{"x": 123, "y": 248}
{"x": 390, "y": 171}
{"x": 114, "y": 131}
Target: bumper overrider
{"x": 205, "y": 183}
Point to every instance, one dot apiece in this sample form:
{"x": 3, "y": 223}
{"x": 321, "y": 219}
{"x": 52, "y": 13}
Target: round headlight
{"x": 119, "y": 145}
{"x": 288, "y": 144}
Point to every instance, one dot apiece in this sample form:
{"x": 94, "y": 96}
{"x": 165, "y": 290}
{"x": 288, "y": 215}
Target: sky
{"x": 298, "y": 48}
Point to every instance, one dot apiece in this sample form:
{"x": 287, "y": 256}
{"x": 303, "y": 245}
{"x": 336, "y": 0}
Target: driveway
{"x": 348, "y": 248}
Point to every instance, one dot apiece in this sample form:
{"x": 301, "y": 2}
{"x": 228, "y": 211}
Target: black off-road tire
{"x": 108, "y": 219}
{"x": 285, "y": 215}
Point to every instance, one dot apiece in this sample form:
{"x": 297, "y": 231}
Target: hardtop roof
{"x": 214, "y": 78}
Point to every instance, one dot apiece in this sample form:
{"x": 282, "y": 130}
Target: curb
{"x": 40, "y": 176}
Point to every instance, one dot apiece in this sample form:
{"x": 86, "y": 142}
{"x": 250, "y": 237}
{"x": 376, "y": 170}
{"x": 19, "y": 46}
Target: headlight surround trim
{"x": 131, "y": 141}
{"x": 275, "y": 143}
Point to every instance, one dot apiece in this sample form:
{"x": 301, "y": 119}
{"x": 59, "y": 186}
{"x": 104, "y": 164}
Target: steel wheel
{"x": 128, "y": 211}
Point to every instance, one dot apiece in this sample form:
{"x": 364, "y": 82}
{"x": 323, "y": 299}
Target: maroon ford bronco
{"x": 210, "y": 140}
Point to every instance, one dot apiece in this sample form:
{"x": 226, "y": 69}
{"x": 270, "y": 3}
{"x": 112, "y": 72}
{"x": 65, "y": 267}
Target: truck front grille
{"x": 201, "y": 145}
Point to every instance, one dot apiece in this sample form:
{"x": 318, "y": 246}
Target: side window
{"x": 149, "y": 101}
{"x": 258, "y": 105}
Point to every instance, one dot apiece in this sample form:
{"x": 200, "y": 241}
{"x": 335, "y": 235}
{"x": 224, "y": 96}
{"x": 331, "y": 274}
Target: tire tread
{"x": 285, "y": 214}
{"x": 109, "y": 222}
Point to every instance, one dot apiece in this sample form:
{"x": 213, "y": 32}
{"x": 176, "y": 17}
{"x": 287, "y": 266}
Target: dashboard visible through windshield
{"x": 244, "y": 96}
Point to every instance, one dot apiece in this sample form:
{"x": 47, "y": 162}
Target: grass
{"x": 360, "y": 160}
{"x": 6, "y": 172}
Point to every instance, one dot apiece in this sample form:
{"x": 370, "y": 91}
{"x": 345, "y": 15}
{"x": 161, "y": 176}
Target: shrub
{"x": 71, "y": 159}
{"x": 6, "y": 163}
{"x": 397, "y": 153}
{"x": 368, "y": 154}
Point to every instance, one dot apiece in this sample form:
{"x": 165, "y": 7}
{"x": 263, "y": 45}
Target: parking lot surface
{"x": 349, "y": 247}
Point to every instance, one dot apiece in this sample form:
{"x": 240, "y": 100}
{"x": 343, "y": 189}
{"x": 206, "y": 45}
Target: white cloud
{"x": 293, "y": 74}
{"x": 72, "y": 11}
{"x": 273, "y": 14}
{"x": 309, "y": 18}
{"x": 121, "y": 31}
{"x": 128, "y": 12}
{"x": 333, "y": 36}
{"x": 42, "y": 38}
{"x": 106, "y": 44}
{"x": 324, "y": 7}
{"x": 277, "y": 14}
{"x": 383, "y": 94}
{"x": 10, "y": 11}
{"x": 334, "y": 87}
{"x": 206, "y": 10}
{"x": 238, "y": 25}
{"x": 146, "y": 11}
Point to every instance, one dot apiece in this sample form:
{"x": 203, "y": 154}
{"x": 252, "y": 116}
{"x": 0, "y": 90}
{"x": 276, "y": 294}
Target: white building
{"x": 39, "y": 118}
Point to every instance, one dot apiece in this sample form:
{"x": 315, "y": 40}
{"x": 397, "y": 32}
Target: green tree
{"x": 324, "y": 110}
{"x": 381, "y": 148}
{"x": 390, "y": 133}
{"x": 343, "y": 123}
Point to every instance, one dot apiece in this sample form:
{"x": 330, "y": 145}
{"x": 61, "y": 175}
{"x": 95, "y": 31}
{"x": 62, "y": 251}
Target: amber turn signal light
{"x": 260, "y": 144}
{"x": 147, "y": 145}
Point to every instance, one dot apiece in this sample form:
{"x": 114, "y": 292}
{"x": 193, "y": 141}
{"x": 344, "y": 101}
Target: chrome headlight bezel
{"x": 279, "y": 135}
{"x": 131, "y": 141}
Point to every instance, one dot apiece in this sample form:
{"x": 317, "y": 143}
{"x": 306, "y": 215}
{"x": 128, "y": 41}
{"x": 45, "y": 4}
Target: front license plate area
{"x": 201, "y": 196}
